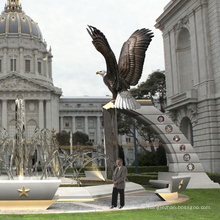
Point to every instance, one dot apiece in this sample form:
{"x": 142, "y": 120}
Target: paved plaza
{"x": 71, "y": 203}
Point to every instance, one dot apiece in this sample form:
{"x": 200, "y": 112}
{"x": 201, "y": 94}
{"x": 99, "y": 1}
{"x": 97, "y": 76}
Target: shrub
{"x": 147, "y": 169}
{"x": 152, "y": 170}
{"x": 214, "y": 177}
{"x": 141, "y": 179}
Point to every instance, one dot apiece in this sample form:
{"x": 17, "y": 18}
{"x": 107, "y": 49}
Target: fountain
{"x": 31, "y": 185}
{"x": 22, "y": 188}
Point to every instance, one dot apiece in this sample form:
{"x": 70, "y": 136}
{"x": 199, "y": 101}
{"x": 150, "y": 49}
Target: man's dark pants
{"x": 115, "y": 197}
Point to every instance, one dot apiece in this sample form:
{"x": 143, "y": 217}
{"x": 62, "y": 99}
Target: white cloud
{"x": 63, "y": 25}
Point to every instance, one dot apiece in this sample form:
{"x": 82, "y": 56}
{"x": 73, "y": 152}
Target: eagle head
{"x": 102, "y": 73}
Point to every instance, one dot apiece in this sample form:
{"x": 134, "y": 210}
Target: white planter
{"x": 29, "y": 193}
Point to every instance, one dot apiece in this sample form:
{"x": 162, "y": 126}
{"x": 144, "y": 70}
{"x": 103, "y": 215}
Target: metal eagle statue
{"x": 127, "y": 72}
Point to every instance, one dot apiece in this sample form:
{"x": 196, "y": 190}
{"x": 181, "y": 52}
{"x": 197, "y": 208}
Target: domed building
{"x": 26, "y": 70}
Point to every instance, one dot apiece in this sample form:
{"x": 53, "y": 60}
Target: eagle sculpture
{"x": 127, "y": 72}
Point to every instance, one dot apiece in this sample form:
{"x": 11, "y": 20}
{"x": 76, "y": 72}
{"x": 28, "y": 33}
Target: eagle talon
{"x": 110, "y": 104}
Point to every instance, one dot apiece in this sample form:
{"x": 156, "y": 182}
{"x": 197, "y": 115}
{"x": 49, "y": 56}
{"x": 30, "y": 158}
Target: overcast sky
{"x": 75, "y": 62}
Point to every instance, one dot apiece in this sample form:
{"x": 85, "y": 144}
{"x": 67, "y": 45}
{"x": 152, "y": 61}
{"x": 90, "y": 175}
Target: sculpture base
{"x": 25, "y": 205}
{"x": 168, "y": 196}
{"x": 28, "y": 189}
{"x": 30, "y": 193}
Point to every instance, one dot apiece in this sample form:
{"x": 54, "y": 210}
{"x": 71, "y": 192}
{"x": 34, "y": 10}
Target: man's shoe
{"x": 112, "y": 207}
{"x": 120, "y": 207}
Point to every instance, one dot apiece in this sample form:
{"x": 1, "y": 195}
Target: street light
{"x": 135, "y": 148}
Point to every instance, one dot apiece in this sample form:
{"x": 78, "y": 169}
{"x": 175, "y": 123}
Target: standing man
{"x": 119, "y": 176}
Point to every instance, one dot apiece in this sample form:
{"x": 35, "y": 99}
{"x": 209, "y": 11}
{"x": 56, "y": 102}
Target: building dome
{"x": 14, "y": 22}
{"x": 22, "y": 50}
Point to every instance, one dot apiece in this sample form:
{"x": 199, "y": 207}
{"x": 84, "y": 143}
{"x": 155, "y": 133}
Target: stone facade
{"x": 83, "y": 114}
{"x": 191, "y": 32}
{"x": 26, "y": 70}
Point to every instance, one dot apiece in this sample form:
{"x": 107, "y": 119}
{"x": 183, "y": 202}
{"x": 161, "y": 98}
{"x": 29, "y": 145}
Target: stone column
{"x": 55, "y": 112}
{"x": 48, "y": 114}
{"x": 86, "y": 130}
{"x": 175, "y": 77}
{"x": 4, "y": 65}
{"x": 35, "y": 62}
{"x": 4, "y": 114}
{"x": 21, "y": 57}
{"x": 99, "y": 138}
{"x": 73, "y": 124}
{"x": 46, "y": 68}
{"x": 50, "y": 67}
{"x": 41, "y": 114}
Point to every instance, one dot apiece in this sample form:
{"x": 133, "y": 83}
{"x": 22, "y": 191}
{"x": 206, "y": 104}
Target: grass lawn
{"x": 203, "y": 204}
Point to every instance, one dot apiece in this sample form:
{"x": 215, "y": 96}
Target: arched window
{"x": 184, "y": 58}
{"x": 186, "y": 128}
{"x": 31, "y": 125}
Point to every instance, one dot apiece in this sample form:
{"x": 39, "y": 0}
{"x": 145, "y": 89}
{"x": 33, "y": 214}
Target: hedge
{"x": 144, "y": 178}
{"x": 214, "y": 177}
{"x": 131, "y": 169}
{"x": 145, "y": 173}
{"x": 141, "y": 179}
{"x": 147, "y": 169}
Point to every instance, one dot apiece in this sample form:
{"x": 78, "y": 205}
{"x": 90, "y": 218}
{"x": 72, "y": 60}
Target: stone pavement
{"x": 69, "y": 203}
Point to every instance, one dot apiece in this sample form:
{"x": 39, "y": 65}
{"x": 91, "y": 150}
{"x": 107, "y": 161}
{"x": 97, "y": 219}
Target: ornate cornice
{"x": 172, "y": 8}
{"x": 203, "y": 2}
{"x": 172, "y": 115}
{"x": 181, "y": 23}
{"x": 16, "y": 82}
{"x": 189, "y": 111}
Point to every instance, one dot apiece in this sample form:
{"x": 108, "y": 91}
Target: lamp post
{"x": 71, "y": 143}
{"x": 135, "y": 147}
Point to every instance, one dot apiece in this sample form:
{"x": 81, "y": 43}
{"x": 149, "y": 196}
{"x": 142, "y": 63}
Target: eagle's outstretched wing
{"x": 101, "y": 44}
{"x": 132, "y": 55}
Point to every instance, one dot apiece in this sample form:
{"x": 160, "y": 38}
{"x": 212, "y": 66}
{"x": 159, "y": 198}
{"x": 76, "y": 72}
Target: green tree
{"x": 63, "y": 138}
{"x": 146, "y": 159}
{"x": 125, "y": 127}
{"x": 154, "y": 85}
{"x": 81, "y": 138}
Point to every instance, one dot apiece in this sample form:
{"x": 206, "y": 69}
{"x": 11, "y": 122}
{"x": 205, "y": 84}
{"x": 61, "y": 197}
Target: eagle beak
{"x": 98, "y": 72}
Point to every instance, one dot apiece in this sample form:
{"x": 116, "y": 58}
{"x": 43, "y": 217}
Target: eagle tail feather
{"x": 125, "y": 100}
